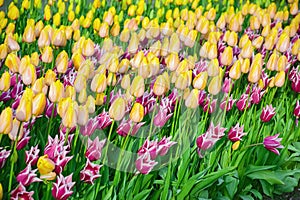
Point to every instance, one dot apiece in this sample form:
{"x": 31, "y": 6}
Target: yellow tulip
{"x": 29, "y": 74}
{"x": 235, "y": 70}
{"x": 38, "y": 104}
{"x": 69, "y": 119}
{"x": 61, "y": 62}
{"x": 227, "y": 56}
{"x": 98, "y": 83}
{"x": 192, "y": 99}
{"x": 47, "y": 54}
{"x": 6, "y": 119}
{"x": 117, "y": 109}
{"x": 24, "y": 110}
{"x": 137, "y": 112}
{"x": 5, "y": 82}
{"x": 13, "y": 12}
{"x": 279, "y": 79}
{"x": 12, "y": 61}
{"x": 50, "y": 77}
{"x": 56, "y": 91}
{"x": 59, "y": 38}
{"x": 215, "y": 86}
{"x": 137, "y": 86}
{"x": 45, "y": 165}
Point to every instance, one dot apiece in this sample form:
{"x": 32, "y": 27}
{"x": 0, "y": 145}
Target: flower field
{"x": 140, "y": 99}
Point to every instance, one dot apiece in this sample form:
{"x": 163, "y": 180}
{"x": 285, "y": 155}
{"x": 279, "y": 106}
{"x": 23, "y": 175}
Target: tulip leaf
{"x": 253, "y": 168}
{"x": 142, "y": 195}
{"x": 267, "y": 175}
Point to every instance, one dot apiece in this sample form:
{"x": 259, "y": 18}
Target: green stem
{"x": 152, "y": 117}
{"x": 108, "y": 139}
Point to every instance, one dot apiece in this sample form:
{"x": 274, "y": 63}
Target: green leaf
{"x": 289, "y": 184}
{"x": 267, "y": 175}
{"x": 143, "y": 195}
{"x": 246, "y": 197}
{"x": 267, "y": 188}
{"x": 231, "y": 184}
{"x": 253, "y": 168}
{"x": 109, "y": 194}
{"x": 167, "y": 183}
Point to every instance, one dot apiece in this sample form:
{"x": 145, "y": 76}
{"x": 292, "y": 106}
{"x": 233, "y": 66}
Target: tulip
{"x": 137, "y": 87}
{"x": 12, "y": 62}
{"x": 137, "y": 112}
{"x": 12, "y": 44}
{"x": 56, "y": 91}
{"x": 5, "y": 82}
{"x": 4, "y": 154}
{"x": 227, "y": 56}
{"x": 24, "y": 110}
{"x": 90, "y": 172}
{"x": 283, "y": 43}
{"x": 255, "y": 73}
{"x": 144, "y": 164}
{"x": 38, "y": 104}
{"x": 98, "y": 83}
{"x": 82, "y": 115}
{"x": 88, "y": 48}
{"x": 3, "y": 51}
{"x": 50, "y": 77}
{"x": 214, "y": 86}
{"x": 1, "y": 192}
{"x": 245, "y": 65}
{"x": 182, "y": 81}
{"x": 172, "y": 61}
{"x": 192, "y": 99}
{"x": 213, "y": 68}
{"x": 61, "y": 62}
{"x": 204, "y": 50}
{"x": 272, "y": 143}
{"x": 282, "y": 63}
{"x": 77, "y": 60}
{"x": 29, "y": 35}
{"x": 6, "y": 119}
{"x": 257, "y": 43}
{"x": 235, "y": 70}
{"x": 47, "y": 54}
{"x": 160, "y": 85}
{"x": 232, "y": 39}
{"x": 271, "y": 64}
{"x": 32, "y": 155}
{"x": 243, "y": 103}
{"x": 117, "y": 109}
{"x": 247, "y": 50}
{"x": 27, "y": 176}
{"x": 21, "y": 193}
{"x": 13, "y": 12}
{"x": 236, "y": 133}
{"x": 267, "y": 113}
{"x": 174, "y": 46}
{"x": 44, "y": 39}
{"x": 279, "y": 79}
{"x": 59, "y": 38}
{"x": 29, "y": 75}
{"x": 61, "y": 189}
{"x": 212, "y": 51}
{"x": 94, "y": 149}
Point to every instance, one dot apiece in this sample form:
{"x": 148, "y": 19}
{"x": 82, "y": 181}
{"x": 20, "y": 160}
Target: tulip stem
{"x": 50, "y": 120}
{"x": 76, "y": 138}
{"x": 251, "y": 145}
{"x": 48, "y": 190}
{"x": 152, "y": 117}
{"x": 108, "y": 139}
{"x": 1, "y": 135}
{"x": 67, "y": 135}
{"x": 13, "y": 161}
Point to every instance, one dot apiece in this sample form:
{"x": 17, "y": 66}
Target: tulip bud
{"x": 294, "y": 8}
{"x": 192, "y": 99}
{"x": 283, "y": 43}
{"x": 45, "y": 165}
{"x": 34, "y": 59}
{"x": 243, "y": 41}
{"x": 5, "y": 82}
{"x": 282, "y": 63}
{"x": 98, "y": 83}
{"x": 200, "y": 80}
{"x": 117, "y": 109}
{"x": 61, "y": 62}
{"x": 44, "y": 39}
{"x": 16, "y": 131}
{"x": 24, "y": 110}
{"x": 235, "y": 70}
{"x": 6, "y": 119}
{"x": 215, "y": 86}
{"x": 38, "y": 85}
{"x": 69, "y": 118}
{"x": 160, "y": 85}
{"x": 279, "y": 79}
{"x": 212, "y": 51}
{"x": 59, "y": 38}
{"x": 50, "y": 77}
{"x": 38, "y": 104}
{"x": 227, "y": 56}
{"x": 137, "y": 86}
{"x": 258, "y": 42}
{"x": 247, "y": 50}
{"x": 213, "y": 67}
{"x": 221, "y": 23}
{"x": 80, "y": 83}
{"x": 137, "y": 112}
{"x": 29, "y": 35}
{"x": 47, "y": 55}
{"x": 255, "y": 73}
{"x": 70, "y": 92}
{"x": 172, "y": 61}
{"x": 56, "y": 91}
{"x": 232, "y": 39}
{"x": 254, "y": 23}
{"x": 12, "y": 44}
{"x": 12, "y": 61}
{"x": 88, "y": 48}
{"x": 182, "y": 81}
{"x": 296, "y": 47}
{"x": 3, "y": 51}
{"x": 174, "y": 46}
{"x": 82, "y": 115}
{"x": 29, "y": 75}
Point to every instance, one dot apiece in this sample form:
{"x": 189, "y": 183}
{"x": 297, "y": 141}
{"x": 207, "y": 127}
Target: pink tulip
{"x": 229, "y": 105}
{"x": 32, "y": 156}
{"x": 164, "y": 145}
{"x": 127, "y": 125}
{"x": 161, "y": 118}
{"x": 256, "y": 95}
{"x": 272, "y": 143}
{"x": 28, "y": 176}
{"x": 4, "y": 154}
{"x": 241, "y": 104}
{"x": 21, "y": 193}
{"x": 90, "y": 172}
{"x": 227, "y": 85}
{"x": 297, "y": 109}
{"x": 236, "y": 133}
{"x": 144, "y": 163}
{"x": 210, "y": 106}
{"x": 149, "y": 147}
{"x": 94, "y": 149}
{"x": 267, "y": 113}
{"x": 62, "y": 188}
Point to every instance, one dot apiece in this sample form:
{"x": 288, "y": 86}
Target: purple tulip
{"x": 90, "y": 127}
{"x": 5, "y": 96}
{"x": 148, "y": 101}
{"x": 227, "y": 85}
{"x": 272, "y": 143}
{"x": 161, "y": 118}
{"x": 28, "y": 176}
{"x": 144, "y": 163}
{"x": 21, "y": 193}
{"x": 32, "y": 156}
{"x": 62, "y": 188}
{"x": 256, "y": 95}
{"x": 267, "y": 113}
{"x": 202, "y": 98}
{"x": 94, "y": 149}
{"x": 24, "y": 140}
{"x": 229, "y": 105}
{"x": 149, "y": 147}
{"x": 4, "y": 154}
{"x": 296, "y": 83}
{"x": 210, "y": 106}
{"x": 17, "y": 90}
{"x": 103, "y": 120}
{"x": 241, "y": 104}
{"x": 90, "y": 172}
{"x": 208, "y": 139}
{"x": 297, "y": 109}
{"x": 126, "y": 126}
{"x": 236, "y": 133}
{"x": 49, "y": 109}
{"x": 164, "y": 145}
